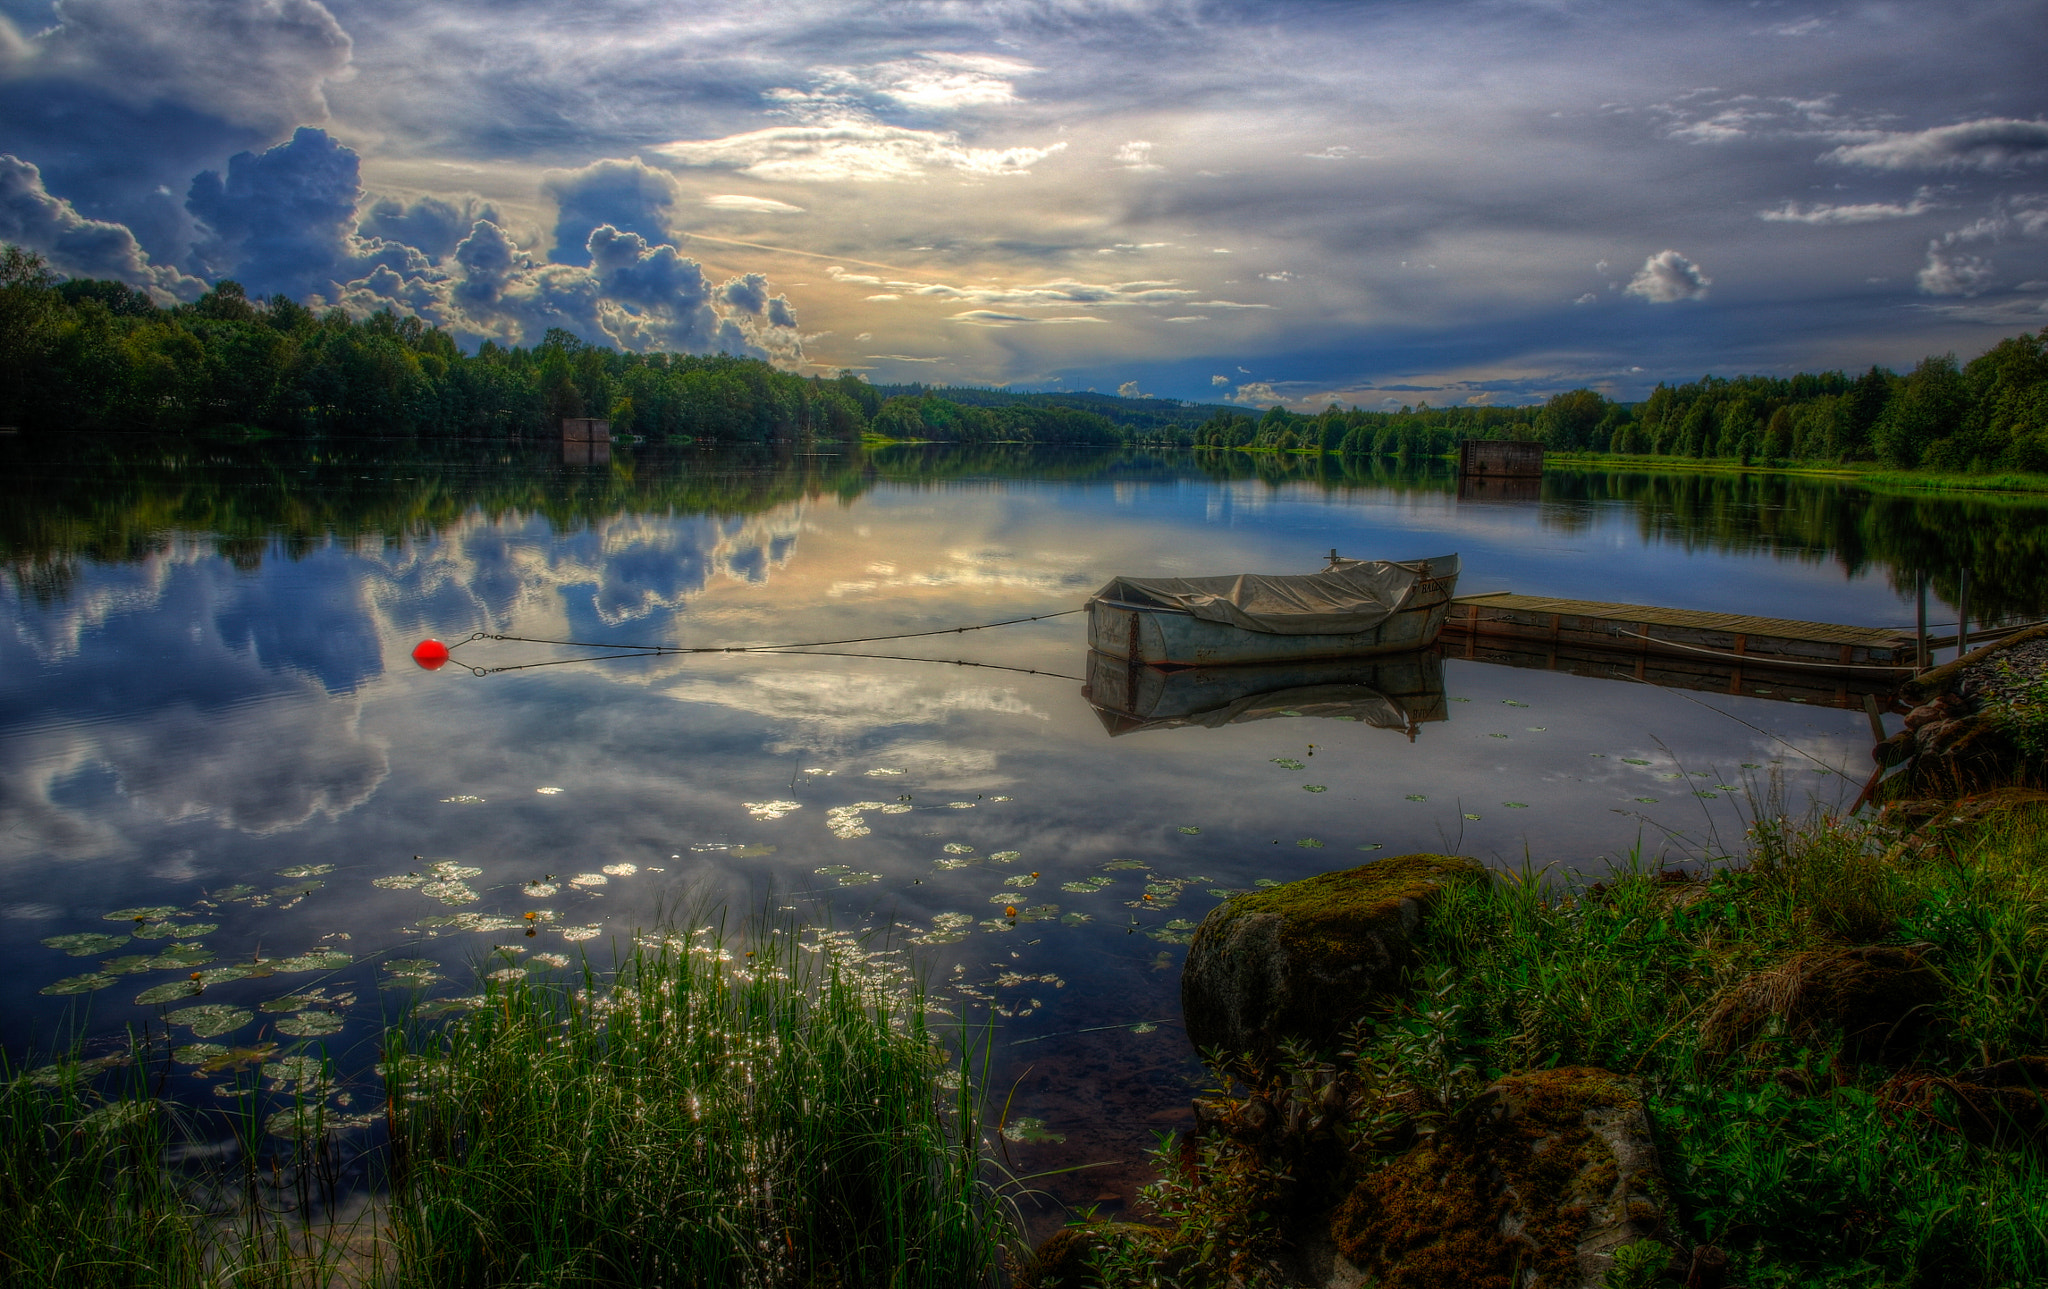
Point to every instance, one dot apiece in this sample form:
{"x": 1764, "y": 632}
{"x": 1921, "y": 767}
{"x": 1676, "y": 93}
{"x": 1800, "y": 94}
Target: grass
{"x": 1808, "y": 1160}
{"x": 772, "y": 1111}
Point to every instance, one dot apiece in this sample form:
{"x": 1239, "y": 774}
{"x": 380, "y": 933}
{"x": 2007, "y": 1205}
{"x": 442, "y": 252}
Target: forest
{"x": 97, "y": 355}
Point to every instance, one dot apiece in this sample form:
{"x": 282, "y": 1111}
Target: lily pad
{"x": 1648, "y": 801}
{"x": 175, "y": 930}
{"x": 1075, "y": 919}
{"x": 310, "y": 1024}
{"x": 1006, "y": 857}
{"x": 1029, "y": 1130}
{"x": 1512, "y": 703}
{"x": 306, "y": 870}
{"x": 1124, "y": 865}
{"x": 1288, "y": 763}
{"x": 317, "y": 960}
{"x": 181, "y": 957}
{"x": 1314, "y": 787}
{"x": 128, "y": 964}
{"x": 1516, "y": 805}
{"x": 958, "y": 848}
{"x": 1633, "y": 760}
{"x": 1471, "y": 816}
{"x": 211, "y": 1020}
{"x": 84, "y": 984}
{"x": 1417, "y": 796}
{"x": 1310, "y": 843}
{"x": 198, "y": 1053}
{"x": 145, "y": 913}
{"x": 85, "y": 944}
{"x": 169, "y": 992}
{"x": 1372, "y": 845}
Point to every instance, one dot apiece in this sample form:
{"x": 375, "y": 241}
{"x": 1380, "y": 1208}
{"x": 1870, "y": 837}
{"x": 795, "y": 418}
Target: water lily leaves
{"x": 1727, "y": 787}
{"x": 198, "y": 1053}
{"x": 118, "y": 1116}
{"x": 1496, "y": 736}
{"x": 1509, "y": 702}
{"x": 1190, "y": 830}
{"x": 1751, "y": 765}
{"x": 317, "y": 960}
{"x": 1289, "y": 763}
{"x": 167, "y": 993}
{"x": 175, "y": 930}
{"x": 444, "y": 1007}
{"x": 1310, "y": 843}
{"x": 211, "y": 1020}
{"x": 1006, "y": 857}
{"x": 229, "y": 894}
{"x": 1124, "y": 865}
{"x": 146, "y": 913}
{"x": 752, "y": 851}
{"x": 1648, "y": 801}
{"x": 128, "y": 964}
{"x": 306, "y": 870}
{"x": 234, "y": 971}
{"x": 859, "y": 879}
{"x": 1536, "y": 729}
{"x": 1516, "y": 805}
{"x": 620, "y": 870}
{"x": 1029, "y": 1130}
{"x": 1708, "y": 795}
{"x": 575, "y": 933}
{"x": 310, "y": 1024}
{"x": 1472, "y": 816}
{"x": 239, "y": 1058}
{"x": 85, "y": 944}
{"x": 947, "y": 928}
{"x": 84, "y": 984}
{"x": 958, "y": 848}
{"x": 1076, "y": 919}
{"x": 397, "y": 882}
{"x": 1085, "y": 886}
{"x": 1314, "y": 787}
{"x": 771, "y": 809}
{"x": 1417, "y": 796}
{"x": 1372, "y": 845}
{"x": 181, "y": 957}
{"x": 1601, "y": 755}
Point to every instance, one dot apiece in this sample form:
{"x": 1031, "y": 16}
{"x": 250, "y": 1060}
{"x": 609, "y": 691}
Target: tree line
{"x": 1989, "y": 414}
{"x": 92, "y": 355}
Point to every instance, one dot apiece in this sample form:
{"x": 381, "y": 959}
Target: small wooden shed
{"x": 1500, "y": 458}
{"x": 585, "y": 429}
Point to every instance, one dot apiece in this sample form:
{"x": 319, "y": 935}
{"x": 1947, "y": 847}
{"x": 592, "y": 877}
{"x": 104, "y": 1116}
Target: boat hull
{"x": 1172, "y": 638}
{"x": 1393, "y": 691}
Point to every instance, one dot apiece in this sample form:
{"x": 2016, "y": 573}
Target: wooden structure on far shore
{"x": 585, "y": 429}
{"x": 1500, "y": 459}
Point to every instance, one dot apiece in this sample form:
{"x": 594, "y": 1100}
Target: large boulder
{"x": 1537, "y": 1190}
{"x": 1304, "y": 961}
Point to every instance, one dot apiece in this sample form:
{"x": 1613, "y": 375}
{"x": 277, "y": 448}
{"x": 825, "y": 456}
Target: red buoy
{"x": 430, "y": 654}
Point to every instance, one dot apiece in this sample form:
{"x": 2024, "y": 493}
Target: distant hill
{"x": 1138, "y": 415}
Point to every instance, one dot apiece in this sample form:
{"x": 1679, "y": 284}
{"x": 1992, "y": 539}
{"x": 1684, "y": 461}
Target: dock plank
{"x": 1693, "y": 619}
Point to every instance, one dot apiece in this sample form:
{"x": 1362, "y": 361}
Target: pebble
{"x": 2010, "y": 676}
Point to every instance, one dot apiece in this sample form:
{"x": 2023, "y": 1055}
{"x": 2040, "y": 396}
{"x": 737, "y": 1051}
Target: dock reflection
{"x": 1390, "y": 691}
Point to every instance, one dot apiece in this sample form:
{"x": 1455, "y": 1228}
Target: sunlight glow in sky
{"x": 1373, "y": 203}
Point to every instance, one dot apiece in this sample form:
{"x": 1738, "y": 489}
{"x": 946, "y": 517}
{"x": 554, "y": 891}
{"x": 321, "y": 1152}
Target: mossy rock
{"x": 1534, "y": 1192}
{"x": 1304, "y": 961}
{"x": 1068, "y": 1257}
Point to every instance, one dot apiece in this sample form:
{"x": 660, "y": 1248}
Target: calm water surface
{"x": 208, "y": 714}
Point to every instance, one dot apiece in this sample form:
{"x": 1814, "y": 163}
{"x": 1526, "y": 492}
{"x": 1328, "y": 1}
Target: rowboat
{"x": 1390, "y": 691}
{"x": 1354, "y": 608}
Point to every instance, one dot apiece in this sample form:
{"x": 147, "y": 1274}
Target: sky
{"x": 1306, "y": 202}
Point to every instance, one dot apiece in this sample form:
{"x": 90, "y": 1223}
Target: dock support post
{"x": 1920, "y": 658}
{"x": 1963, "y": 615}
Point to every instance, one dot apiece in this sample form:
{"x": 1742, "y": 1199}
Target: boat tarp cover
{"x": 1353, "y": 595}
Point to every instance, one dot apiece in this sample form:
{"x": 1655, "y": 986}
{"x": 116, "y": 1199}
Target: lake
{"x": 210, "y": 722}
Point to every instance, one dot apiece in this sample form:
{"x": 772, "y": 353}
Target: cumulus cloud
{"x": 751, "y": 205}
{"x": 629, "y": 196}
{"x": 1255, "y": 393}
{"x": 1668, "y": 277}
{"x": 284, "y": 219}
{"x": 1994, "y": 143}
{"x": 1129, "y": 389}
{"x": 1952, "y": 272}
{"x": 76, "y": 246}
{"x": 261, "y": 63}
{"x": 852, "y": 149}
{"x": 1219, "y": 380}
{"x": 430, "y": 225}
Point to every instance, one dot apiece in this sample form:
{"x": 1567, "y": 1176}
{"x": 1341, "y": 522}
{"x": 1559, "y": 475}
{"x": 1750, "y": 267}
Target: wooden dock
{"x": 1733, "y": 641}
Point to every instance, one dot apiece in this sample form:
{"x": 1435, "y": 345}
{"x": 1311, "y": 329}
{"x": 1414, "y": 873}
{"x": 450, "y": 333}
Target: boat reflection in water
{"x": 1391, "y": 691}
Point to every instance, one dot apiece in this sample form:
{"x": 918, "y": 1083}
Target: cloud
{"x": 1953, "y": 272}
{"x": 260, "y": 63}
{"x": 76, "y": 246}
{"x": 627, "y": 195}
{"x": 1668, "y": 277}
{"x": 748, "y": 294}
{"x": 751, "y": 205}
{"x": 284, "y": 219}
{"x": 1129, "y": 389}
{"x": 991, "y": 318}
{"x": 852, "y": 149}
{"x": 1865, "y": 213}
{"x": 430, "y": 225}
{"x": 1065, "y": 293}
{"x": 1994, "y": 143}
{"x": 1255, "y": 393}
{"x": 1219, "y": 380}
{"x": 1136, "y": 155}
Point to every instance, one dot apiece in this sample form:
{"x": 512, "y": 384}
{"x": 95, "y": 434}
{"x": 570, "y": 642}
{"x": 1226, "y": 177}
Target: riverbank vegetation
{"x": 1838, "y": 1037}
{"x": 98, "y": 355}
{"x": 770, "y": 1110}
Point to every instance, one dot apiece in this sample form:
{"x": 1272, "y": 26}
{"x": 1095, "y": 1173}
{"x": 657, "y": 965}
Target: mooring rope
{"x": 629, "y": 650}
